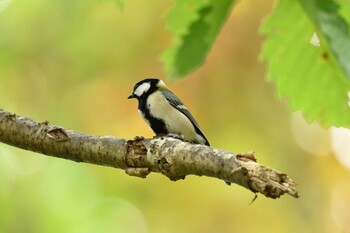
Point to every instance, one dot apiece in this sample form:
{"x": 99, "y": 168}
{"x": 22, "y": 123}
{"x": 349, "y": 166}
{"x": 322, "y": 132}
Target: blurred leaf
{"x": 344, "y": 10}
{"x": 324, "y": 14}
{"x": 119, "y": 3}
{"x": 305, "y": 74}
{"x": 195, "y": 25}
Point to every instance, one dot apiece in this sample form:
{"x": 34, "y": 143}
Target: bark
{"x": 169, "y": 156}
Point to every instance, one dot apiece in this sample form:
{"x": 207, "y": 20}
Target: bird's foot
{"x": 177, "y": 136}
{"x": 172, "y": 135}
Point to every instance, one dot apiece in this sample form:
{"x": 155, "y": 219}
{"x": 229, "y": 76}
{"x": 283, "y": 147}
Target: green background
{"x": 74, "y": 63}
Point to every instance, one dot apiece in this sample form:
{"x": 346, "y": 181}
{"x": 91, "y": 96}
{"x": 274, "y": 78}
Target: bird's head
{"x": 146, "y": 87}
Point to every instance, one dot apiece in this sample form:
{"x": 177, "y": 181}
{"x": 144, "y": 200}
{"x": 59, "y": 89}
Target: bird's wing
{"x": 177, "y": 103}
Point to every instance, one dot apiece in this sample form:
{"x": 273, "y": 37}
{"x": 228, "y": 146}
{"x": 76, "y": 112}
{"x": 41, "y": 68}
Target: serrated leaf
{"x": 305, "y": 74}
{"x": 325, "y": 16}
{"x": 195, "y": 25}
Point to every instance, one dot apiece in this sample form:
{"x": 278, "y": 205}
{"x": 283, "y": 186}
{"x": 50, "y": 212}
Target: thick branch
{"x": 171, "y": 157}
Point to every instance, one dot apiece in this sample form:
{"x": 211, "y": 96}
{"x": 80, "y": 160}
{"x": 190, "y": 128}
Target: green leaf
{"x": 305, "y": 74}
{"x": 344, "y": 10}
{"x": 119, "y": 3}
{"x": 195, "y": 25}
{"x": 324, "y": 14}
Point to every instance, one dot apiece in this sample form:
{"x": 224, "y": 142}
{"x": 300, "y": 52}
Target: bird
{"x": 165, "y": 113}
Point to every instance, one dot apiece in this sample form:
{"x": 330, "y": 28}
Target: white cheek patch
{"x": 144, "y": 87}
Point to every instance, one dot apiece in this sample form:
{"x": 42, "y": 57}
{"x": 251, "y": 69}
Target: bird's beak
{"x": 132, "y": 96}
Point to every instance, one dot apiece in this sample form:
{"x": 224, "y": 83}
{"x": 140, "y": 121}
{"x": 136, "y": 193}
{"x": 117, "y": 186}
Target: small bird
{"x": 164, "y": 112}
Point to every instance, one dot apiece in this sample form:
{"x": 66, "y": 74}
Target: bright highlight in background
{"x": 310, "y": 137}
{"x": 3, "y": 4}
{"x": 341, "y": 145}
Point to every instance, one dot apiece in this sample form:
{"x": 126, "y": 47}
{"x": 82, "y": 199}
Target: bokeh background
{"x": 73, "y": 63}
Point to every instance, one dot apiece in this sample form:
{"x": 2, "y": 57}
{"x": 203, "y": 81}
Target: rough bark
{"x": 171, "y": 157}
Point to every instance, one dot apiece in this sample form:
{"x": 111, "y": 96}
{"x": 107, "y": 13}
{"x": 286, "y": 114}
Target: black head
{"x": 146, "y": 87}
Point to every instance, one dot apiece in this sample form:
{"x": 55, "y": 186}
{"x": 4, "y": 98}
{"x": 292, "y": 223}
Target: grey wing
{"x": 177, "y": 103}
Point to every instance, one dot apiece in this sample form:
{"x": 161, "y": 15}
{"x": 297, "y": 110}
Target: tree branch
{"x": 169, "y": 156}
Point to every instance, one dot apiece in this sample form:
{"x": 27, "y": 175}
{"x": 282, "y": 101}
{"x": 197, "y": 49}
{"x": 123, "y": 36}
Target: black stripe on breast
{"x": 157, "y": 125}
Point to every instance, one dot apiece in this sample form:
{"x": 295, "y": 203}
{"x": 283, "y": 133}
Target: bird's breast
{"x": 175, "y": 121}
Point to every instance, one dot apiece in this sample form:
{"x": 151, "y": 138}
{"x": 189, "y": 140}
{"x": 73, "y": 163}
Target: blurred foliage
{"x": 194, "y": 24}
{"x": 75, "y": 62}
{"x": 303, "y": 73}
{"x": 307, "y": 75}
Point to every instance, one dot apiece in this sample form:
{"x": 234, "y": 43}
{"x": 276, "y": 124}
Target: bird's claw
{"x": 177, "y": 136}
